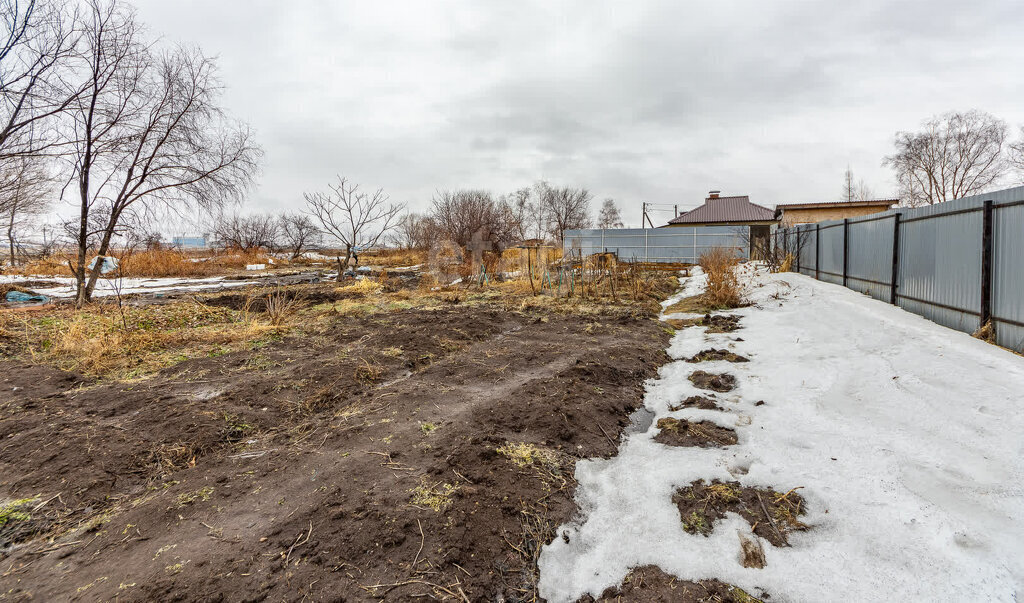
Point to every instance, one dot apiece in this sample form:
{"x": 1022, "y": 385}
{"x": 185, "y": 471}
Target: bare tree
{"x": 297, "y": 232}
{"x": 864, "y": 192}
{"x": 954, "y": 156}
{"x": 460, "y": 215}
{"x": 566, "y": 207}
{"x": 246, "y": 233}
{"x": 520, "y": 210}
{"x": 24, "y": 188}
{"x": 147, "y": 133}
{"x": 416, "y": 231}
{"x": 609, "y": 215}
{"x": 1017, "y": 156}
{"x": 354, "y": 218}
{"x": 39, "y": 42}
{"x": 849, "y": 188}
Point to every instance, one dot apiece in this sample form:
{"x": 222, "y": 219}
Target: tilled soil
{"x": 403, "y": 456}
{"x": 649, "y": 584}
{"x": 705, "y": 434}
{"x": 772, "y": 515}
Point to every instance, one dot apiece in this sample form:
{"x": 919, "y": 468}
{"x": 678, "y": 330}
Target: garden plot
{"x": 878, "y": 457}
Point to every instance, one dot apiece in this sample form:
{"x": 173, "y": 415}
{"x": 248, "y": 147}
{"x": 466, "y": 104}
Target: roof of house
{"x": 832, "y": 204}
{"x": 725, "y": 210}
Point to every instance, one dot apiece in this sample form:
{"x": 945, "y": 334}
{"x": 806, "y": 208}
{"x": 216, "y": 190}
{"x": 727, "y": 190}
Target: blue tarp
{"x": 21, "y": 297}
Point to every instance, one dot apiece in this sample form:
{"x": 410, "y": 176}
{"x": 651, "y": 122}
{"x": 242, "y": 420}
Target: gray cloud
{"x": 655, "y": 101}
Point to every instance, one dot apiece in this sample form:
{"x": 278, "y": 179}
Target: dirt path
{"x": 393, "y": 457}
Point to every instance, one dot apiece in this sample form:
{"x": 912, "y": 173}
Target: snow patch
{"x": 905, "y": 436}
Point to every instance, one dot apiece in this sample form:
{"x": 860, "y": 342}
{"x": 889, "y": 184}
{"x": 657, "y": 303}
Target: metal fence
{"x": 959, "y": 263}
{"x": 675, "y": 244}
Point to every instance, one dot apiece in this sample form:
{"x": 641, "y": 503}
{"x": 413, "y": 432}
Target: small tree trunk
{"x": 342, "y": 265}
{"x": 10, "y": 238}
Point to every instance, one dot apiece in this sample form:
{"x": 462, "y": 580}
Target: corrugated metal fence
{"x": 959, "y": 263}
{"x": 677, "y": 244}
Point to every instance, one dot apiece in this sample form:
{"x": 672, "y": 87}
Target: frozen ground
{"x": 907, "y": 438}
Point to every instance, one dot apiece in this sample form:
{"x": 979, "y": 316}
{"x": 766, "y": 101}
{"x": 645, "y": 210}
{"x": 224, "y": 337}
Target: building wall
{"x": 791, "y": 217}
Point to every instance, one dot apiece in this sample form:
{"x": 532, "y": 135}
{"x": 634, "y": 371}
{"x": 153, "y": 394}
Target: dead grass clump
{"x": 723, "y": 287}
{"x": 772, "y": 515}
{"x": 712, "y": 354}
{"x": 650, "y": 583}
{"x": 704, "y": 434}
{"x": 787, "y": 263}
{"x": 368, "y": 372}
{"x": 701, "y": 402}
{"x": 715, "y": 323}
{"x": 715, "y": 382}
{"x": 281, "y": 307}
{"x": 987, "y": 332}
{"x": 434, "y": 496}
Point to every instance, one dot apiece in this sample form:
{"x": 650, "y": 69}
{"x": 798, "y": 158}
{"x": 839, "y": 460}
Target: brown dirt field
{"x": 680, "y": 432}
{"x": 650, "y": 584}
{"x": 772, "y": 515}
{"x": 398, "y": 456}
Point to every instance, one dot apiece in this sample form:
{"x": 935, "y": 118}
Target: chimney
{"x": 713, "y": 194}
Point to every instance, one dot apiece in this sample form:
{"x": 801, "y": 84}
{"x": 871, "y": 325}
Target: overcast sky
{"x": 640, "y": 101}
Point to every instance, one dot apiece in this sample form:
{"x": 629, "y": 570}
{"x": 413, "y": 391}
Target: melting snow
{"x": 906, "y": 437}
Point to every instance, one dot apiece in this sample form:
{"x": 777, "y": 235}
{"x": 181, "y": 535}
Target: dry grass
{"x": 281, "y": 307}
{"x": 787, "y": 263}
{"x": 159, "y": 263}
{"x": 99, "y": 341}
{"x": 392, "y": 258}
{"x": 723, "y": 287}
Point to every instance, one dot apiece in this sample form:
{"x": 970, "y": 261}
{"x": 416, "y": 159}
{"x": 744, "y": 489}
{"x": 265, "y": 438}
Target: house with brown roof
{"x": 753, "y": 220}
{"x": 791, "y": 214}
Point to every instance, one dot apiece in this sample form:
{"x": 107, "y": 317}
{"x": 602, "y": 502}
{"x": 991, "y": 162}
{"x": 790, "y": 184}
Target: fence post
{"x": 603, "y": 248}
{"x": 895, "y": 258}
{"x": 817, "y": 250}
{"x": 799, "y": 250}
{"x": 645, "y": 244}
{"x": 846, "y": 249}
{"x": 986, "y": 263}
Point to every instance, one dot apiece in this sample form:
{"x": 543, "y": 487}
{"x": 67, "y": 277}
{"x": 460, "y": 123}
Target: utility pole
{"x": 646, "y": 218}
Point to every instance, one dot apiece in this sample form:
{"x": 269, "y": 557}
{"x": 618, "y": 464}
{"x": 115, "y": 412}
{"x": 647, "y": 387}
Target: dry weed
{"x": 723, "y": 287}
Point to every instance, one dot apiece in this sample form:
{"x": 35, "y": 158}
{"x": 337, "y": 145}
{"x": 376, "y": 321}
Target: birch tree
{"x": 955, "y": 155}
